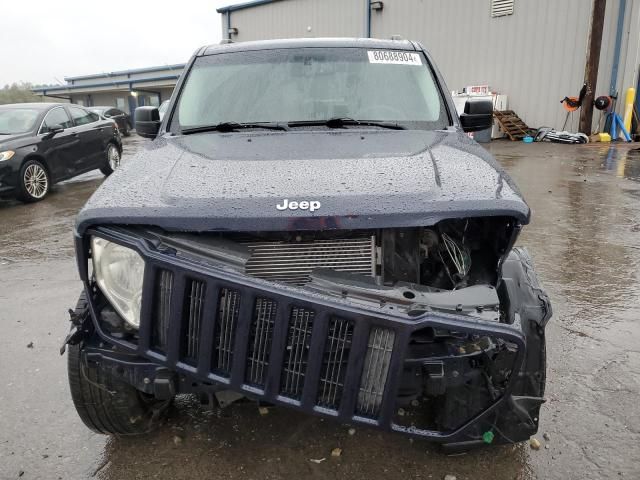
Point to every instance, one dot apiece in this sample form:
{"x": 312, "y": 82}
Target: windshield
{"x": 312, "y": 84}
{"x": 17, "y": 120}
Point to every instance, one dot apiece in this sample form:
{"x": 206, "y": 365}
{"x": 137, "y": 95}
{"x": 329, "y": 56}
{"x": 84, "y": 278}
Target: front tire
{"x": 106, "y": 404}
{"x": 112, "y": 160}
{"x": 34, "y": 182}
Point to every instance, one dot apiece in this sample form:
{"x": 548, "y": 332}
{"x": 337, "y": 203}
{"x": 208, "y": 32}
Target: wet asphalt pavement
{"x": 585, "y": 242}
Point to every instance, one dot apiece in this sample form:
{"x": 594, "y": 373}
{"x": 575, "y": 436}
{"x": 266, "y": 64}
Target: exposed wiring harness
{"x": 459, "y": 255}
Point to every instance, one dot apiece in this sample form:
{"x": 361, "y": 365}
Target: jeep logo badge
{"x": 312, "y": 206}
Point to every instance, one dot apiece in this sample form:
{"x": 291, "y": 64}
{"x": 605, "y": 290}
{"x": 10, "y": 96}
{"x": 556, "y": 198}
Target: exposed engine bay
{"x": 411, "y": 267}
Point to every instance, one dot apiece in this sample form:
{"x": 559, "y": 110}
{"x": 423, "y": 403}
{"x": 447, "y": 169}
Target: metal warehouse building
{"x": 125, "y": 89}
{"x": 532, "y": 51}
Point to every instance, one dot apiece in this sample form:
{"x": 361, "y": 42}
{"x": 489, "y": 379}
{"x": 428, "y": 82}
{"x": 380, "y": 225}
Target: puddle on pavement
{"x": 625, "y": 163}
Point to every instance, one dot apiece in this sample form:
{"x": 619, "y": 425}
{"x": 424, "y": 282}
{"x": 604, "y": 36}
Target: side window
{"x": 112, "y": 112}
{"x": 57, "y": 116}
{"x": 82, "y": 117}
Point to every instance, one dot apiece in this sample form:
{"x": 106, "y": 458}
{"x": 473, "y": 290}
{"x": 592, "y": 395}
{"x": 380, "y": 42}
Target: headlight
{"x": 6, "y": 155}
{"x": 119, "y": 272}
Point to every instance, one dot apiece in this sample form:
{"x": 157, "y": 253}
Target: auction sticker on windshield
{"x": 396, "y": 58}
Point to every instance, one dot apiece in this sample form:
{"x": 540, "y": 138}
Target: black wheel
{"x": 34, "y": 182}
{"x": 112, "y": 159}
{"x": 126, "y": 131}
{"x": 106, "y": 404}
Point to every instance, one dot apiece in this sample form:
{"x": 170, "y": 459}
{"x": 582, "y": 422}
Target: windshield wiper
{"x": 233, "y": 126}
{"x": 340, "y": 122}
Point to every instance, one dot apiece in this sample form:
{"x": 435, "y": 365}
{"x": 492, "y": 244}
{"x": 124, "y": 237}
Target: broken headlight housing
{"x": 119, "y": 272}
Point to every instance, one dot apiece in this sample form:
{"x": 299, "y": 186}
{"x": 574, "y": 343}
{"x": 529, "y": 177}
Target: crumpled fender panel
{"x": 529, "y": 305}
{"x": 527, "y": 299}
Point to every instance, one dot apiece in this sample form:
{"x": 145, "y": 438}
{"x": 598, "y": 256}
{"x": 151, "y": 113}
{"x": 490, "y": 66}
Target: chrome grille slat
{"x": 164, "y": 287}
{"x": 293, "y": 263}
{"x": 194, "y": 319}
{"x": 376, "y": 368}
{"x": 260, "y": 341}
{"x": 297, "y": 351}
{"x": 336, "y": 356}
{"x": 228, "y": 310}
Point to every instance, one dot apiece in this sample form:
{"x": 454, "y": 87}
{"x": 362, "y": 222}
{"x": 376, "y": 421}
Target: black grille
{"x": 162, "y": 309}
{"x": 296, "y": 352}
{"x": 260, "y": 340}
{"x": 194, "y": 299}
{"x": 286, "y": 350}
{"x": 225, "y": 332}
{"x": 334, "y": 363}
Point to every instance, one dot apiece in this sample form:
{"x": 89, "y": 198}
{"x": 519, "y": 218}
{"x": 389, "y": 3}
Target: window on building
{"x": 79, "y": 102}
{"x": 57, "y": 116}
{"x": 500, "y": 8}
{"x": 82, "y": 117}
{"x": 120, "y": 103}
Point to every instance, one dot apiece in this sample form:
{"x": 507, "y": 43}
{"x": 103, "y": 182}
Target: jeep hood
{"x": 362, "y": 179}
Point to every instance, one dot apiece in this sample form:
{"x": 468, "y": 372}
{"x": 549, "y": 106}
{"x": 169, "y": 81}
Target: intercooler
{"x": 293, "y": 262}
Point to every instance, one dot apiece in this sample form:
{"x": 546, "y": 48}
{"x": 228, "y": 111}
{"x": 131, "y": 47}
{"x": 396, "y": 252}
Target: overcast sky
{"x": 44, "y": 41}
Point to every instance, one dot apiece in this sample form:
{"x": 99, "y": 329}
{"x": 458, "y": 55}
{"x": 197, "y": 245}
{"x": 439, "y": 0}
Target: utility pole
{"x": 591, "y": 66}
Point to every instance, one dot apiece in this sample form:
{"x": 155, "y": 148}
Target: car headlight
{"x": 119, "y": 272}
{"x": 6, "y": 155}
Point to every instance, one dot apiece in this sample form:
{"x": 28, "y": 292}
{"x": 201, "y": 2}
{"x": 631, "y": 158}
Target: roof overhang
{"x": 242, "y": 6}
{"x": 112, "y": 86}
{"x": 134, "y": 71}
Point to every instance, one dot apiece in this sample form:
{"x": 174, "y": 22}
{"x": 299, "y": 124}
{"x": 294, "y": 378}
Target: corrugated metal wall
{"x": 536, "y": 56}
{"x": 292, "y": 18}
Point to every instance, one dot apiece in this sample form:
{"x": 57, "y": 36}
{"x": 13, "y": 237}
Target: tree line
{"x": 18, "y": 93}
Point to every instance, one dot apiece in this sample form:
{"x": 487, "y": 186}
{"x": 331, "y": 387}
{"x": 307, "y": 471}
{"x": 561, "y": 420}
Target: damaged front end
{"x": 436, "y": 331}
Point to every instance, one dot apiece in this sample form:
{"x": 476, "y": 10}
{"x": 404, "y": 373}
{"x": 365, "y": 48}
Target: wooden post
{"x": 591, "y": 66}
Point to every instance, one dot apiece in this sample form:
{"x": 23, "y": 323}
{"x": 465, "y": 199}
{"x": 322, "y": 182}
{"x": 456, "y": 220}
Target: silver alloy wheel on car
{"x": 113, "y": 155}
{"x": 35, "y": 181}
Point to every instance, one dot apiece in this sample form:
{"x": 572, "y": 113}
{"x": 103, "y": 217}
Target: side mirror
{"x": 54, "y": 130}
{"x": 147, "y": 120}
{"x": 478, "y": 115}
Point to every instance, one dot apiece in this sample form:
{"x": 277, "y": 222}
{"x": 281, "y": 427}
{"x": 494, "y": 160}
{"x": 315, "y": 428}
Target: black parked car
{"x": 121, "y": 118}
{"x": 45, "y": 143}
{"x": 312, "y": 227}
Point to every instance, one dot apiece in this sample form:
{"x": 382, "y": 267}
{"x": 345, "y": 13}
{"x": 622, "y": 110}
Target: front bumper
{"x": 310, "y": 352}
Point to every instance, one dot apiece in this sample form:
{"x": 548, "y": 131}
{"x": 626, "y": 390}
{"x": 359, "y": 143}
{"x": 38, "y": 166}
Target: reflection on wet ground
{"x": 585, "y": 241}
